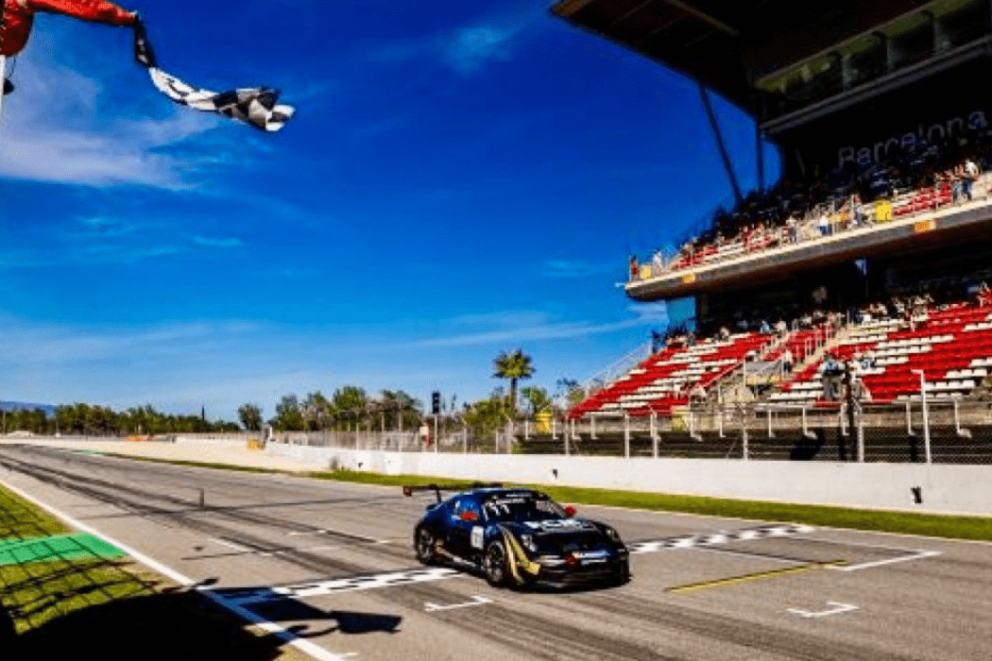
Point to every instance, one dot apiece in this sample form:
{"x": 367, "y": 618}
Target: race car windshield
{"x": 522, "y": 508}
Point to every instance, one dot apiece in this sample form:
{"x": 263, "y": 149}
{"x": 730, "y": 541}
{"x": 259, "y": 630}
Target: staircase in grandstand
{"x": 952, "y": 346}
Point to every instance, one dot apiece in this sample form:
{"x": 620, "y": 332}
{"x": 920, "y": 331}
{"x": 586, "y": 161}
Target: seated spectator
{"x": 781, "y": 328}
{"x": 764, "y": 327}
{"x": 984, "y": 295}
{"x": 868, "y": 360}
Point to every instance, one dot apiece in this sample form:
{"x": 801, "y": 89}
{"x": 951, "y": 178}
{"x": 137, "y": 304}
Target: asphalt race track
{"x": 333, "y": 563}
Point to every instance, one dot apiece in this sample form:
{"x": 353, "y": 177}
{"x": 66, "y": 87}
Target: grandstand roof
{"x": 729, "y": 45}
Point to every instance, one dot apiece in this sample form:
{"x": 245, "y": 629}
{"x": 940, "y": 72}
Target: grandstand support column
{"x": 626, "y": 436}
{"x": 771, "y": 432}
{"x": 744, "y": 438}
{"x": 526, "y": 430}
{"x": 654, "y": 434}
{"x": 961, "y": 433}
{"x": 704, "y": 95}
{"x": 554, "y": 428}
{"x": 861, "y": 438}
{"x": 909, "y": 419}
{"x": 592, "y": 427}
{"x": 926, "y": 415}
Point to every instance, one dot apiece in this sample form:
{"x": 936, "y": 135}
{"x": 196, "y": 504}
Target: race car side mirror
{"x": 471, "y": 517}
{"x": 569, "y": 511}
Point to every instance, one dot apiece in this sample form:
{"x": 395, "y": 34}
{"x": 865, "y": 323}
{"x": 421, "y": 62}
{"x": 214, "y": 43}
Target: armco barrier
{"x": 943, "y": 488}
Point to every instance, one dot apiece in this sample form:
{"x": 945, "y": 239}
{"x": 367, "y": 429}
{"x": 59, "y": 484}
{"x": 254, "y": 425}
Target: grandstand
{"x": 874, "y": 244}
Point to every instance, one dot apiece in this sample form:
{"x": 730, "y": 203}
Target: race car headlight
{"x": 612, "y": 535}
{"x": 528, "y": 542}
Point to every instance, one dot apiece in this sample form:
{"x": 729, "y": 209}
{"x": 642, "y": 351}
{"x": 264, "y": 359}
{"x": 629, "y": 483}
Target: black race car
{"x": 518, "y": 537}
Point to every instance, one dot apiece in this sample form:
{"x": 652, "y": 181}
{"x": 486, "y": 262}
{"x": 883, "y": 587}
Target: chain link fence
{"x": 945, "y": 431}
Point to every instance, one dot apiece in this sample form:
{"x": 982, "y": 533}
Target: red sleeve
{"x": 99, "y": 11}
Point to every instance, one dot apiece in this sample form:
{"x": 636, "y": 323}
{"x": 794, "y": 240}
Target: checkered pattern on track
{"x": 716, "y": 539}
{"x": 320, "y": 588}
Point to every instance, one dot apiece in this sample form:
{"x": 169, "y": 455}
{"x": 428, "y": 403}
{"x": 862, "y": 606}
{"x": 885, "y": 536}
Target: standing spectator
{"x": 824, "y": 224}
{"x": 968, "y": 178}
{"x": 657, "y": 263}
{"x": 831, "y": 372}
{"x": 787, "y": 361}
{"x": 791, "y": 225}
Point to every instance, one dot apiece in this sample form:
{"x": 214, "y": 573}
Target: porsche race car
{"x": 517, "y": 536}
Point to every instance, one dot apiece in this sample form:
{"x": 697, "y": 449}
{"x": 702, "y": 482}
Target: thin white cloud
{"x": 540, "y": 328}
{"x": 217, "y": 242}
{"x": 471, "y": 48}
{"x": 564, "y": 268}
{"x": 62, "y": 127}
{"x": 465, "y": 49}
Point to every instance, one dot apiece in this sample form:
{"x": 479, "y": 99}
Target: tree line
{"x": 349, "y": 408}
{"x": 90, "y": 420}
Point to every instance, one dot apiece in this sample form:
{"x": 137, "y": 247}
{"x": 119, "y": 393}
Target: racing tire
{"x": 425, "y": 546}
{"x": 495, "y": 564}
{"x": 622, "y": 576}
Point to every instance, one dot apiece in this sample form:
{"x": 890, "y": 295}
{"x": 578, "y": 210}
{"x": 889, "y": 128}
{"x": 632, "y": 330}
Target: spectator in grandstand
{"x": 969, "y": 176}
{"x": 792, "y": 227}
{"x": 781, "y": 328}
{"x": 764, "y": 327}
{"x": 868, "y": 360}
{"x": 831, "y": 372}
{"x": 724, "y": 333}
{"x": 857, "y": 211}
{"x": 657, "y": 263}
{"x": 697, "y": 393}
{"x": 824, "y": 223}
{"x": 984, "y": 295}
{"x": 787, "y": 361}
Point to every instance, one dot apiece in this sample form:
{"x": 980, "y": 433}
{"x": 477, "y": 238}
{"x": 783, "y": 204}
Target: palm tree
{"x": 513, "y": 365}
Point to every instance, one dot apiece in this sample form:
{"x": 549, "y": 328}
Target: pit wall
{"x": 944, "y": 489}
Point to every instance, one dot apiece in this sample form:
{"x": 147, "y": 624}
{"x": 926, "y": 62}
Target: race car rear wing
{"x": 409, "y": 490}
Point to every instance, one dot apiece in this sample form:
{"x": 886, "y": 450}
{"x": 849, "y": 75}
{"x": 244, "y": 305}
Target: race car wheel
{"x": 494, "y": 564}
{"x": 425, "y": 546}
{"x": 622, "y": 576}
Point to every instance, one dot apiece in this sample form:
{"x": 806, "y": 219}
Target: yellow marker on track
{"x": 722, "y": 582}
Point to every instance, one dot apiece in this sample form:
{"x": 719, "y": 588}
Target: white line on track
{"x": 290, "y": 638}
{"x": 919, "y": 555}
{"x": 231, "y": 545}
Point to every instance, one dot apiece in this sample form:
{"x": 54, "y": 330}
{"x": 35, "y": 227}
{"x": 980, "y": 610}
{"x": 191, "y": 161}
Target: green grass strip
{"x": 930, "y": 525}
{"x": 68, "y": 547}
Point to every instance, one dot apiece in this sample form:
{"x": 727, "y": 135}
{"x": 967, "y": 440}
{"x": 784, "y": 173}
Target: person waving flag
{"x": 256, "y": 106}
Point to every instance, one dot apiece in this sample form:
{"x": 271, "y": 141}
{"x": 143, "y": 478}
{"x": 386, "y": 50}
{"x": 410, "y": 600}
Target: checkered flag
{"x": 257, "y": 106}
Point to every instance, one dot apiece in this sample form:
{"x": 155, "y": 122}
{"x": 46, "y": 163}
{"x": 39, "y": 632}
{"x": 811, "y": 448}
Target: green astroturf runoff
{"x": 73, "y": 546}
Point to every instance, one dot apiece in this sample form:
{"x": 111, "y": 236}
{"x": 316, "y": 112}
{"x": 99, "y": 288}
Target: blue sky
{"x": 461, "y": 179}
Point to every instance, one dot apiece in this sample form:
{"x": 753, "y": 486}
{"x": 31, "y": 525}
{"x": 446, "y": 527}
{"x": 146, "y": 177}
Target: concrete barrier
{"x": 944, "y": 489}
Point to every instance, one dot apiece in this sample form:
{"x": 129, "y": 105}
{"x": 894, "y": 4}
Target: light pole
{"x": 926, "y": 413}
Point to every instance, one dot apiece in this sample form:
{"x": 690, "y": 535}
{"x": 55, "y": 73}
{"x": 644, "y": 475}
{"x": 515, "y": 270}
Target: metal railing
{"x": 807, "y": 231}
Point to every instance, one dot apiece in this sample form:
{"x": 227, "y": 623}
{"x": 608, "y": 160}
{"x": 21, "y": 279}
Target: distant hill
{"x": 21, "y": 406}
